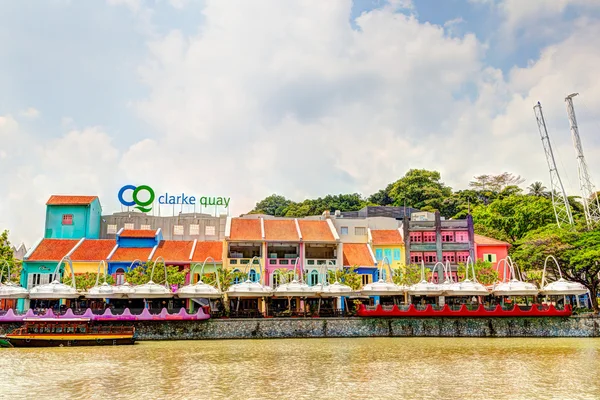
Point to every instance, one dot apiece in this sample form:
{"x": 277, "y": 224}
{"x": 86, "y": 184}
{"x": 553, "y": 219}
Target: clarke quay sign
{"x": 148, "y": 196}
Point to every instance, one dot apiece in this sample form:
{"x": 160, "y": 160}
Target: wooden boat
{"x": 53, "y": 332}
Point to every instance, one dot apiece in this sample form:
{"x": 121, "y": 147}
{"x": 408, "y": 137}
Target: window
{"x": 366, "y": 279}
{"x": 344, "y": 230}
{"x": 448, "y": 236}
{"x": 430, "y": 257}
{"x": 145, "y": 227}
{"x": 67, "y": 219}
{"x": 129, "y": 226}
{"x": 462, "y": 237}
{"x": 450, "y": 257}
{"x": 253, "y": 276}
{"x": 276, "y": 279}
{"x": 397, "y": 255}
{"x": 378, "y": 254}
{"x": 194, "y": 229}
{"x": 429, "y": 237}
{"x": 236, "y": 280}
{"x": 313, "y": 278}
{"x": 416, "y": 237}
{"x": 489, "y": 257}
{"x": 360, "y": 231}
{"x": 120, "y": 276}
{"x": 387, "y": 253}
{"x": 178, "y": 230}
{"x": 111, "y": 229}
{"x": 461, "y": 256}
{"x": 416, "y": 258}
{"x": 210, "y": 230}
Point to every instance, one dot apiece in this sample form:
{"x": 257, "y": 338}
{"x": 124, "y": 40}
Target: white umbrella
{"x": 513, "y": 287}
{"x": 103, "y": 291}
{"x": 295, "y": 288}
{"x": 201, "y": 290}
{"x": 10, "y": 290}
{"x": 424, "y": 288}
{"x": 56, "y": 290}
{"x": 467, "y": 287}
{"x": 249, "y": 288}
{"x": 381, "y": 287}
{"x": 152, "y": 290}
{"x": 561, "y": 287}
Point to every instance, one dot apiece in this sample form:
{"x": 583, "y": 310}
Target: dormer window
{"x": 67, "y": 219}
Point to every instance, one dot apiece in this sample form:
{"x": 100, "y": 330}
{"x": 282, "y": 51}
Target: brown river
{"x": 380, "y": 368}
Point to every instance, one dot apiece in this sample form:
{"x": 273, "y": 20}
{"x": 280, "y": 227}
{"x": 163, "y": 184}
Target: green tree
{"x": 272, "y": 205}
{"x": 7, "y": 254}
{"x": 409, "y": 275}
{"x": 484, "y": 272}
{"x": 421, "y": 189}
{"x": 577, "y": 250}
{"x": 87, "y": 280}
{"x": 510, "y": 218}
{"x": 347, "y": 275}
{"x": 141, "y": 274}
{"x": 226, "y": 278}
{"x": 537, "y": 189}
{"x": 382, "y": 197}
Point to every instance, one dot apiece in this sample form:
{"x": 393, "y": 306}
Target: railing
{"x": 283, "y": 262}
{"x": 317, "y": 262}
{"x": 242, "y": 261}
{"x": 323, "y": 313}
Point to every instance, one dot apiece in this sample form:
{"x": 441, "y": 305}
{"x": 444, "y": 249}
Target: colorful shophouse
{"x": 388, "y": 244}
{"x": 491, "y": 250}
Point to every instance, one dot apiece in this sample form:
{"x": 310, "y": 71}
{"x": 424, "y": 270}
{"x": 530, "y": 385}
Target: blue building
{"x": 73, "y": 217}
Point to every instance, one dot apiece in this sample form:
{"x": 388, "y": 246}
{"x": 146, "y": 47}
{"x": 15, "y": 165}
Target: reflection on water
{"x": 380, "y": 368}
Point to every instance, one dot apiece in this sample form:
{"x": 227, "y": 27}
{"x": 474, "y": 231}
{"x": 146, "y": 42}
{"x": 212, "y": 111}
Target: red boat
{"x": 535, "y": 310}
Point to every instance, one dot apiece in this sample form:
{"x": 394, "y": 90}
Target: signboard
{"x": 135, "y": 192}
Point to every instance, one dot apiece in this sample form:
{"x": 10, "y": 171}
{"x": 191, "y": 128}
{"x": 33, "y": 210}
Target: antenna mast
{"x": 591, "y": 207}
{"x": 562, "y": 209}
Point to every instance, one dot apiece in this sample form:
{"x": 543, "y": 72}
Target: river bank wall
{"x": 271, "y": 328}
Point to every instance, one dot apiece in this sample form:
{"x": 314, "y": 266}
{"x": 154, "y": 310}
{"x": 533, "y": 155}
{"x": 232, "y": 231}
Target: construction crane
{"x": 562, "y": 209}
{"x": 591, "y": 206}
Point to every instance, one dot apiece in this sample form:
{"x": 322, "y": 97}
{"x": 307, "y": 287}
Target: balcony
{"x": 241, "y": 262}
{"x": 319, "y": 262}
{"x": 281, "y": 262}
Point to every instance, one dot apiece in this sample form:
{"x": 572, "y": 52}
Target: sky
{"x": 243, "y": 99}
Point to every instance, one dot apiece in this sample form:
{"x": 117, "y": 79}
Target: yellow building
{"x": 388, "y": 243}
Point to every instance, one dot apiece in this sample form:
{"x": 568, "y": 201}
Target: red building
{"x": 491, "y": 250}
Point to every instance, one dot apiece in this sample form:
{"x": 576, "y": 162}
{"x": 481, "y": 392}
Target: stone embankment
{"x": 362, "y": 327}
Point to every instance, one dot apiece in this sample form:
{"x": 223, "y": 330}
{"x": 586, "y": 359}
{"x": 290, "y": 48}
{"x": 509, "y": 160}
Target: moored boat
{"x": 51, "y": 332}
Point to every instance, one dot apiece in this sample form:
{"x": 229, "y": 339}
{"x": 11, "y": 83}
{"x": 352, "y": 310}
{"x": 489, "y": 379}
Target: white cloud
{"x": 287, "y": 97}
{"x": 30, "y": 113}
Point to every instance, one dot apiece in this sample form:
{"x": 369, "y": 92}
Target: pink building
{"x": 492, "y": 250}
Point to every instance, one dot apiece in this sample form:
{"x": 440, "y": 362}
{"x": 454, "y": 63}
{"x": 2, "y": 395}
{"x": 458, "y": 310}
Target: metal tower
{"x": 562, "y": 209}
{"x": 591, "y": 206}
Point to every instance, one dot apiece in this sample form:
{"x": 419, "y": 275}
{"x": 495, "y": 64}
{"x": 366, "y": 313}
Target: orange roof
{"x": 208, "y": 249}
{"x": 174, "y": 250}
{"x": 57, "y": 200}
{"x": 315, "y": 231}
{"x": 481, "y": 240}
{"x": 386, "y": 236}
{"x": 93, "y": 250}
{"x": 357, "y": 254}
{"x": 131, "y": 253}
{"x": 282, "y": 229}
{"x": 52, "y": 249}
{"x": 138, "y": 233}
{"x": 245, "y": 229}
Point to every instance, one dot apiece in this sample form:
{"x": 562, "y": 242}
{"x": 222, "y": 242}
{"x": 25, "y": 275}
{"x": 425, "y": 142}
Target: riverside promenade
{"x": 272, "y": 328}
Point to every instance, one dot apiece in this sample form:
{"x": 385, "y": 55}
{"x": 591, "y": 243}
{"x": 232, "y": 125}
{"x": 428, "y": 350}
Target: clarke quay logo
{"x": 143, "y": 196}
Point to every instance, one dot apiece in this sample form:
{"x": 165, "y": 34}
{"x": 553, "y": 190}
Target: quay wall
{"x": 360, "y": 327}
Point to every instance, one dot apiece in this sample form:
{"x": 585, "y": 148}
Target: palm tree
{"x": 538, "y": 189}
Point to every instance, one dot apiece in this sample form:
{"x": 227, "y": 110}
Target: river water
{"x": 378, "y": 368}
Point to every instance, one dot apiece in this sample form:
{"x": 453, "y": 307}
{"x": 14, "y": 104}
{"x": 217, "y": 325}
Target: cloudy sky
{"x": 303, "y": 98}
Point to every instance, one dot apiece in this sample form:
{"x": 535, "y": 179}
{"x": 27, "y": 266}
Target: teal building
{"x": 73, "y": 217}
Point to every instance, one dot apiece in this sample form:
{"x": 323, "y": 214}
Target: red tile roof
{"x": 245, "y": 229}
{"x": 481, "y": 240}
{"x": 357, "y": 254}
{"x": 174, "y": 250}
{"x": 138, "y": 233}
{"x": 315, "y": 231}
{"x": 386, "y": 236}
{"x": 56, "y": 200}
{"x": 131, "y": 253}
{"x": 52, "y": 249}
{"x": 93, "y": 250}
{"x": 284, "y": 230}
{"x": 208, "y": 249}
